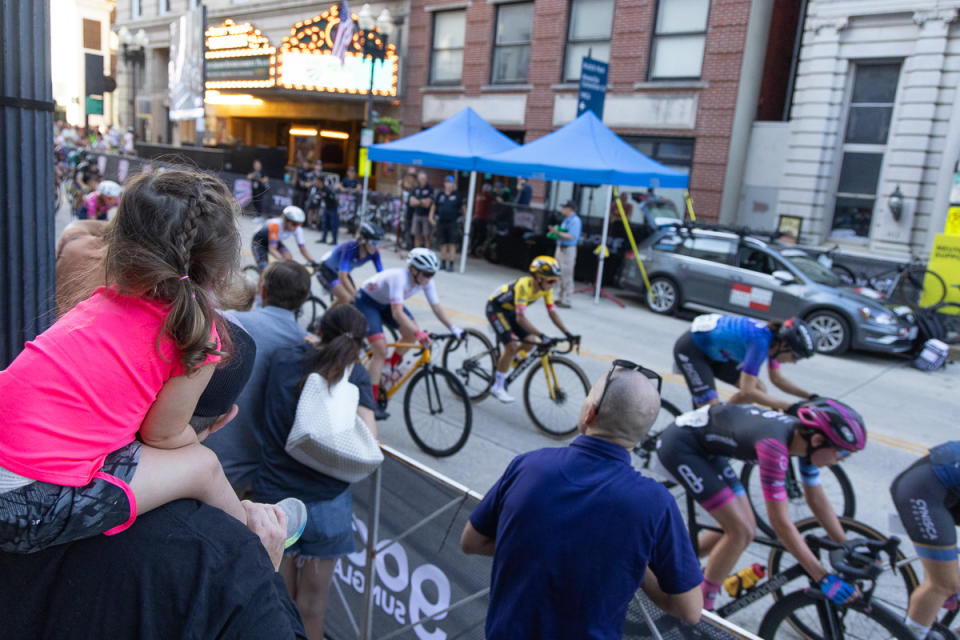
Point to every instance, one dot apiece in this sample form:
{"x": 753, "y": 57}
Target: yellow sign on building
{"x": 945, "y": 261}
{"x": 952, "y": 228}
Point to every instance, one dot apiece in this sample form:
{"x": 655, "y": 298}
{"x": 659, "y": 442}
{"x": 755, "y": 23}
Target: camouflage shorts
{"x": 42, "y": 515}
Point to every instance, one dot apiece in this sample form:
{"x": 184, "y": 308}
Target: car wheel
{"x": 833, "y": 332}
{"x": 663, "y": 296}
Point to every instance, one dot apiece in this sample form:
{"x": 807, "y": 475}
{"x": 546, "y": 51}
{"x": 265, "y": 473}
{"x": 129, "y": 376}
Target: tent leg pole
{"x": 603, "y": 244}
{"x": 471, "y": 193}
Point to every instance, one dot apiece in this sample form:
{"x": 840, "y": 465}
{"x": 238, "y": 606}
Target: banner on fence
{"x": 422, "y": 574}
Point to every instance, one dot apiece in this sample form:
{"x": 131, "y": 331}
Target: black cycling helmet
{"x": 370, "y": 231}
{"x": 799, "y": 336}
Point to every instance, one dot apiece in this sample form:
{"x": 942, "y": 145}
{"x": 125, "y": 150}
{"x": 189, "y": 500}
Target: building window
{"x": 446, "y": 54}
{"x": 136, "y": 9}
{"x": 163, "y": 7}
{"x": 588, "y": 34}
{"x": 91, "y": 34}
{"x": 864, "y": 144}
{"x": 680, "y": 32}
{"x": 511, "y": 49}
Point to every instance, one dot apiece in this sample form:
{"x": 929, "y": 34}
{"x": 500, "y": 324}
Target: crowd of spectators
{"x": 186, "y": 569}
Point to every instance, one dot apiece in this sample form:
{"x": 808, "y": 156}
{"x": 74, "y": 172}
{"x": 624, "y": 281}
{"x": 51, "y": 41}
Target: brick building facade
{"x": 687, "y": 121}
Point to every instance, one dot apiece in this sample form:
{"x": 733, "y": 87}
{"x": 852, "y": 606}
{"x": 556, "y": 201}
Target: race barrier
{"x": 409, "y": 578}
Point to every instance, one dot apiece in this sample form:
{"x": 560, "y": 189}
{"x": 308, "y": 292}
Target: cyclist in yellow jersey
{"x": 506, "y": 312}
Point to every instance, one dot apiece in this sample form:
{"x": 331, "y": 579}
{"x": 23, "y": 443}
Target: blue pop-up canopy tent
{"x": 585, "y": 151}
{"x": 456, "y": 143}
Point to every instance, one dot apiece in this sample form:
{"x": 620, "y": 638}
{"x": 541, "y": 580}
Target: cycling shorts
{"x": 709, "y": 479}
{"x": 327, "y": 278}
{"x": 261, "y": 255}
{"x": 504, "y": 323}
{"x": 377, "y": 314}
{"x": 700, "y": 372}
{"x": 928, "y": 510}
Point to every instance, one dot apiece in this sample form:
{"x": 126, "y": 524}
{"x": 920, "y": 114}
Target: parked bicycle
{"x": 436, "y": 405}
{"x": 828, "y": 260}
{"x": 911, "y": 284}
{"x": 553, "y": 391}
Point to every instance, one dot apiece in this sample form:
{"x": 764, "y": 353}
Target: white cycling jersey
{"x": 393, "y": 286}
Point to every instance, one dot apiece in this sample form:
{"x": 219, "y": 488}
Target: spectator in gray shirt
{"x": 286, "y": 285}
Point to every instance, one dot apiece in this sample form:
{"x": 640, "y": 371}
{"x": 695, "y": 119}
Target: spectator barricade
{"x": 410, "y": 579}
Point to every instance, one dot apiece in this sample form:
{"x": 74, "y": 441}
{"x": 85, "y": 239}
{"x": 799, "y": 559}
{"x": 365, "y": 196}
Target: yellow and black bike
{"x": 553, "y": 391}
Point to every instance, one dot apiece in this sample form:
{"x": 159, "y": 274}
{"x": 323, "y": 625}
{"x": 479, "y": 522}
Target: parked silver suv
{"x": 743, "y": 274}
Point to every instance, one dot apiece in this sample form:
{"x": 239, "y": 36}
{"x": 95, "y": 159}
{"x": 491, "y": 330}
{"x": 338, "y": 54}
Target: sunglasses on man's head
{"x": 633, "y": 366}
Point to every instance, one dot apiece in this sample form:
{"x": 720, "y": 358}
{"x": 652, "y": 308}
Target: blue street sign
{"x": 593, "y": 87}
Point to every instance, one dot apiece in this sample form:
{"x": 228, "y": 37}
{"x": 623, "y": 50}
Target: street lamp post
{"x": 375, "y": 51}
{"x": 134, "y": 55}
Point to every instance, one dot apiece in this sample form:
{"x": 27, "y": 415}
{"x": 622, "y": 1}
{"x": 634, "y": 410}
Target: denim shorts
{"x": 41, "y": 515}
{"x": 329, "y": 530}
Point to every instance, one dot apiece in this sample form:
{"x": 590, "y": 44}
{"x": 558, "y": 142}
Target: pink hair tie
{"x": 184, "y": 278}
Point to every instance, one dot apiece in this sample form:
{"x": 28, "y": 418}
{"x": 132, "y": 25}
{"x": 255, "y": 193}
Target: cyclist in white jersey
{"x": 381, "y": 299}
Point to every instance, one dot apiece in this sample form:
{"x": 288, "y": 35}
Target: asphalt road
{"x": 906, "y": 410}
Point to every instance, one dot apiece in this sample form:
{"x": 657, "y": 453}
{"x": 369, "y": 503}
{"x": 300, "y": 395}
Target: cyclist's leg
{"x": 260, "y": 254}
{"x": 921, "y": 500}
{"x": 378, "y": 343}
{"x": 695, "y": 367}
{"x": 709, "y": 539}
{"x": 503, "y": 327}
{"x": 340, "y": 295}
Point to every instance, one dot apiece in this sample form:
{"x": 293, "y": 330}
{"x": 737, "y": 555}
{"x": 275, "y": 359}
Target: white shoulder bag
{"x": 328, "y": 436}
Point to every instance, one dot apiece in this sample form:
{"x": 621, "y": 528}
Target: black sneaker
{"x": 379, "y": 413}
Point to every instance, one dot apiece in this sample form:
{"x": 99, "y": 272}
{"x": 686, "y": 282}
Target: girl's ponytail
{"x": 341, "y": 336}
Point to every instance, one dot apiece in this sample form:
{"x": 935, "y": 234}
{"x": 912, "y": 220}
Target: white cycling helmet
{"x": 109, "y": 189}
{"x": 294, "y": 214}
{"x": 423, "y": 259}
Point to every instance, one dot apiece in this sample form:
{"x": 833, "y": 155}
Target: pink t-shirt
{"x": 81, "y": 389}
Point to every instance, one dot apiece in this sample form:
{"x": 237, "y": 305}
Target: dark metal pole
{"x": 26, "y": 176}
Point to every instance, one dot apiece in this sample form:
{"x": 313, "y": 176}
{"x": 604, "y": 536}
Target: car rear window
{"x": 707, "y": 248}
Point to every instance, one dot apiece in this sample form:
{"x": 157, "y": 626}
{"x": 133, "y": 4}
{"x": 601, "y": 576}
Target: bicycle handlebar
{"x": 573, "y": 342}
{"x": 856, "y": 559}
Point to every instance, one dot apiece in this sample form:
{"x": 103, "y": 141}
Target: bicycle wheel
{"x": 473, "y": 360}
{"x": 315, "y": 313}
{"x": 437, "y": 411}
{"x": 846, "y": 275}
{"x": 893, "y": 587}
{"x": 949, "y": 316}
{"x": 920, "y": 287}
{"x": 555, "y": 413}
{"x": 856, "y": 621}
{"x": 834, "y": 480}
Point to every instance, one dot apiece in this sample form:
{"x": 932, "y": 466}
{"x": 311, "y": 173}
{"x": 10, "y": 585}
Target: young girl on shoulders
{"x": 95, "y": 411}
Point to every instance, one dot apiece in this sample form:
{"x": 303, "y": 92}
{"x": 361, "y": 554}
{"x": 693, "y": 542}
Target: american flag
{"x": 344, "y": 33}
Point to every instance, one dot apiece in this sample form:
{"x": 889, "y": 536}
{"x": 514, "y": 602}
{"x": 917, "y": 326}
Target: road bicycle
{"x": 553, "y": 391}
{"x": 911, "y": 284}
{"x": 436, "y": 405}
{"x": 948, "y": 315}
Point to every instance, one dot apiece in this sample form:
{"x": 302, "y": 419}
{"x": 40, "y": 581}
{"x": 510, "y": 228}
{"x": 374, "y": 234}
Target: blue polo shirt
{"x": 572, "y": 225}
{"x": 575, "y": 529}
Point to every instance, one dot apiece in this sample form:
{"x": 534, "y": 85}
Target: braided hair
{"x": 175, "y": 240}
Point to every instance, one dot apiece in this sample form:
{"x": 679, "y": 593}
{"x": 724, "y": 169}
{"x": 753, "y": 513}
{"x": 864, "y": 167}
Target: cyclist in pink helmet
{"x": 696, "y": 450}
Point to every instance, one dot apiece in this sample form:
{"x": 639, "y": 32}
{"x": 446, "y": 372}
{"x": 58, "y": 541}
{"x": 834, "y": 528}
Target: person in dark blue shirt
{"x": 335, "y": 267}
{"x": 575, "y": 531}
{"x": 524, "y": 192}
{"x": 733, "y": 349}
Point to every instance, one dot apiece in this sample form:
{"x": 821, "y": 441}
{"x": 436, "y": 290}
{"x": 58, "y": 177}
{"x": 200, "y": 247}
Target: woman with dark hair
{"x": 307, "y": 566}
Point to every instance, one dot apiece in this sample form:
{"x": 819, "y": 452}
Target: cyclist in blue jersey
{"x": 927, "y": 497}
{"x": 733, "y": 349}
{"x": 335, "y": 267}
{"x": 696, "y": 449}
